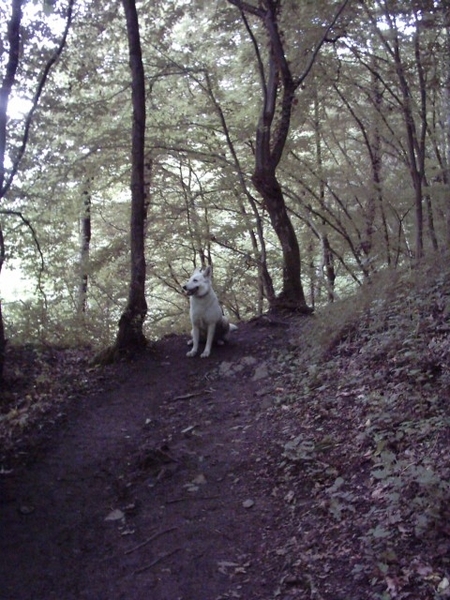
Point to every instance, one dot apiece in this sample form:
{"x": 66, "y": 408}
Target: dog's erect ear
{"x": 207, "y": 271}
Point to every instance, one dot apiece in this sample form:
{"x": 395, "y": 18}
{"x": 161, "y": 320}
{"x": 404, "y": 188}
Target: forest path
{"x": 158, "y": 488}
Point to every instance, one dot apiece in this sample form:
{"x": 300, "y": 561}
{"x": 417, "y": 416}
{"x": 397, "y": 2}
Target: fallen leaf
{"x": 199, "y": 480}
{"x": 289, "y": 497}
{"x": 443, "y": 585}
{"x": 224, "y": 565}
{"x": 115, "y": 515}
{"x": 191, "y": 488}
{"x": 391, "y": 587}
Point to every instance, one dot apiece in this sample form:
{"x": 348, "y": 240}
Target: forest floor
{"x": 308, "y": 458}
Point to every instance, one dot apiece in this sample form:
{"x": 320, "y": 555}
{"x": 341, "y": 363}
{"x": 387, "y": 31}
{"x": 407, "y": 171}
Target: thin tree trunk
{"x": 447, "y": 112}
{"x": 376, "y": 159}
{"x": 415, "y": 139}
{"x": 327, "y": 255}
{"x": 85, "y": 244}
{"x": 130, "y": 335}
{"x": 278, "y": 89}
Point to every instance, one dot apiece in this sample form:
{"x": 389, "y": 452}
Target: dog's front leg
{"x": 195, "y": 341}
{"x": 209, "y": 340}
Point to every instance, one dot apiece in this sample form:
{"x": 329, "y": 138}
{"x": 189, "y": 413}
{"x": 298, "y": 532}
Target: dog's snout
{"x": 184, "y": 287}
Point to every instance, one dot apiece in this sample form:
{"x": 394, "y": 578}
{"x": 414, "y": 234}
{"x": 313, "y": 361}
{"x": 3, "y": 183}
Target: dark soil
{"x": 305, "y": 459}
{"x": 160, "y": 487}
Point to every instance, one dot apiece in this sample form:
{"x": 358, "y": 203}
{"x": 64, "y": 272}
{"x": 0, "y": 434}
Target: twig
{"x": 191, "y": 395}
{"x": 185, "y": 498}
{"x": 156, "y": 561}
{"x": 150, "y": 539}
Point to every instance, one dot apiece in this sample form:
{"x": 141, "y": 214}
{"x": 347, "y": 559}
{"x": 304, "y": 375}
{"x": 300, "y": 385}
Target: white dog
{"x": 208, "y": 321}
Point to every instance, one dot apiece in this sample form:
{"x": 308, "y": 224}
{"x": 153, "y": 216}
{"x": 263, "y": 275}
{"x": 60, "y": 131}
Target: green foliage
{"x": 203, "y": 101}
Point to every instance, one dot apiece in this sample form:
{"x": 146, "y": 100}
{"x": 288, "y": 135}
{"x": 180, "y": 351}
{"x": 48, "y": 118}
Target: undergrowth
{"x": 367, "y": 390}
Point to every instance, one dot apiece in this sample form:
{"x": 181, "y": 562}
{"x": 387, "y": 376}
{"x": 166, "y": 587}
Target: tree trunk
{"x": 85, "y": 243}
{"x": 292, "y": 295}
{"x": 5, "y": 91}
{"x": 447, "y": 112}
{"x": 415, "y": 137}
{"x": 327, "y": 263}
{"x": 328, "y": 267}
{"x": 2, "y": 328}
{"x": 278, "y": 87}
{"x": 130, "y": 335}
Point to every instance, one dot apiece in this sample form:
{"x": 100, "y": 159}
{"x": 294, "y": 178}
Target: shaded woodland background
{"x": 323, "y": 125}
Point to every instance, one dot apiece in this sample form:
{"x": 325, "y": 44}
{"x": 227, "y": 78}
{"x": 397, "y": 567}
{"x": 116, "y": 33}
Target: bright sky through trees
{"x": 347, "y": 172}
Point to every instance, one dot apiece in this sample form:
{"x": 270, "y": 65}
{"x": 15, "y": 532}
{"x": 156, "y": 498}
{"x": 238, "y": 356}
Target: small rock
{"x": 26, "y": 509}
{"x": 261, "y": 372}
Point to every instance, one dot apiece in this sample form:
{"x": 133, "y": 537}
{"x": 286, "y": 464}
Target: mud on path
{"x": 161, "y": 488}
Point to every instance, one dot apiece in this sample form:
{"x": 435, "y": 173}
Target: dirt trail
{"x": 157, "y": 489}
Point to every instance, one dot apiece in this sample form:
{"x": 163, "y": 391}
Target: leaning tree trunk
{"x": 292, "y": 295}
{"x": 278, "y": 86}
{"x": 130, "y": 335}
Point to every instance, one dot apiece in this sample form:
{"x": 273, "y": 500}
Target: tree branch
{"x": 245, "y": 6}
{"x": 26, "y": 222}
{"x": 4, "y": 190}
{"x": 317, "y": 49}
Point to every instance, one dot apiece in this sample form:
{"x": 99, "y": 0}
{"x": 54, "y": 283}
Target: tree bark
{"x": 278, "y": 90}
{"x": 446, "y": 8}
{"x": 292, "y": 294}
{"x": 5, "y": 91}
{"x": 85, "y": 244}
{"x": 2, "y": 328}
{"x": 130, "y": 335}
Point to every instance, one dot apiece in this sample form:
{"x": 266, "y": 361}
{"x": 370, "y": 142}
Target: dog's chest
{"x": 205, "y": 311}
{"x": 201, "y": 323}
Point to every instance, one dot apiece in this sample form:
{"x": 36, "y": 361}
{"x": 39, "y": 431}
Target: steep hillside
{"x": 364, "y": 409}
{"x": 308, "y": 458}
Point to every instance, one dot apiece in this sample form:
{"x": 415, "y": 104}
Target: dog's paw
{"x": 191, "y": 352}
{"x": 205, "y": 354}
